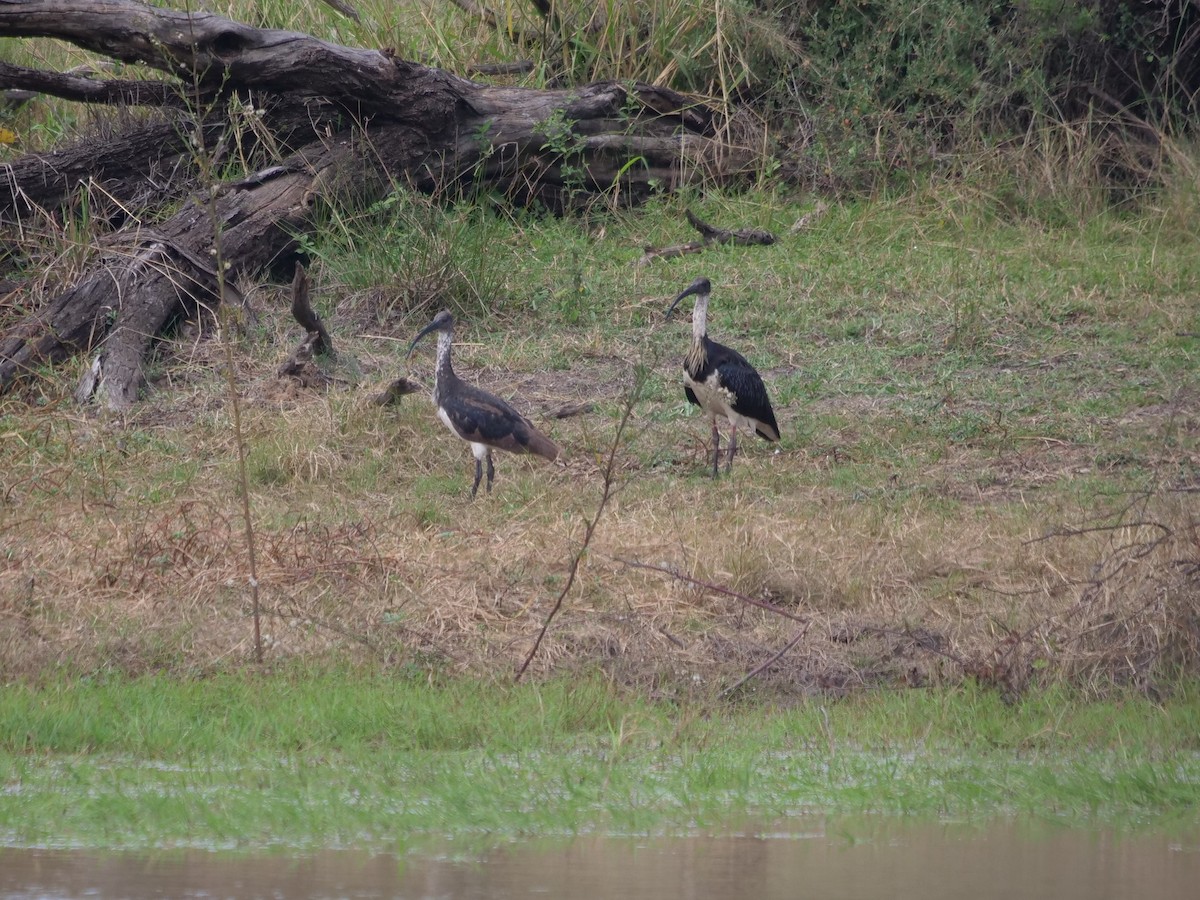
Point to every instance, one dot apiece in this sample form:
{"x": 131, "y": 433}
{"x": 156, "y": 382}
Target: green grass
{"x": 953, "y": 383}
{"x": 959, "y": 369}
{"x": 322, "y": 757}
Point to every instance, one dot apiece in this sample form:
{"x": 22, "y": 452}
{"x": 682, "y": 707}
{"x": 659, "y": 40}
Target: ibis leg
{"x": 491, "y": 471}
{"x": 732, "y": 448}
{"x": 478, "y": 476}
{"x": 716, "y": 442}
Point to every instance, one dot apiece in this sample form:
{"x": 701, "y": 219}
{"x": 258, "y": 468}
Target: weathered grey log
{"x": 349, "y": 124}
{"x": 86, "y": 88}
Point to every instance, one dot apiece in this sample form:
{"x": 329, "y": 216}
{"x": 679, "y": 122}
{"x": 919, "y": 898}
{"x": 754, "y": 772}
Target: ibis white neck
{"x": 445, "y": 339}
{"x": 700, "y": 318}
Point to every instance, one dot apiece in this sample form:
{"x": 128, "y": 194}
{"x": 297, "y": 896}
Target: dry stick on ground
{"x": 714, "y": 588}
{"x": 610, "y": 471}
{"x": 759, "y": 669}
{"x": 806, "y": 621}
{"x": 709, "y": 234}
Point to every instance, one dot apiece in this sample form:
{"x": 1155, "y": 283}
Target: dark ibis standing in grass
{"x": 481, "y": 419}
{"x": 721, "y": 382}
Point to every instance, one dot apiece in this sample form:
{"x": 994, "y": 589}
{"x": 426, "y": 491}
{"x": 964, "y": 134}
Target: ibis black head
{"x": 443, "y": 321}
{"x": 700, "y": 287}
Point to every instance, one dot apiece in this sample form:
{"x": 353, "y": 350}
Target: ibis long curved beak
{"x": 699, "y": 286}
{"x": 432, "y": 326}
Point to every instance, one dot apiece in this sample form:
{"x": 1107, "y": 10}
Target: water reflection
{"x": 817, "y": 859}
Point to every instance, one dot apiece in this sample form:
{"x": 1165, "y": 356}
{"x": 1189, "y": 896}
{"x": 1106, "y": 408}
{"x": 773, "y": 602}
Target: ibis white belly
{"x": 716, "y": 400}
{"x": 446, "y": 421}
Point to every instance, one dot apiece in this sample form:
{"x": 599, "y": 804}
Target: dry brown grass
{"x": 123, "y": 548}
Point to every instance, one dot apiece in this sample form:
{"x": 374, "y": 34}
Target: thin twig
{"x": 1076, "y": 532}
{"x": 714, "y": 588}
{"x": 204, "y": 161}
{"x": 610, "y": 469}
{"x": 757, "y": 670}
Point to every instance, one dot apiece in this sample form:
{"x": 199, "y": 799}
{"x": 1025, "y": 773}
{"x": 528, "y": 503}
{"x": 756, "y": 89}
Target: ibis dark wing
{"x": 691, "y": 395}
{"x": 746, "y": 385}
{"x": 487, "y": 419}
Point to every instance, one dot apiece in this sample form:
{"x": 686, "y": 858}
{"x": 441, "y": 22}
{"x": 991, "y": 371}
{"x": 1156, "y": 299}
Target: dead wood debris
{"x": 301, "y": 365}
{"x": 307, "y": 317}
{"x": 346, "y": 9}
{"x": 391, "y": 395}
{"x": 807, "y": 220}
{"x": 495, "y": 69}
{"x": 709, "y": 234}
{"x": 573, "y": 409}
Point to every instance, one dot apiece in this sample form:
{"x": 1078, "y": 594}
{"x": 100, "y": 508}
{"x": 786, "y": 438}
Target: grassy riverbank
{"x": 325, "y": 758}
{"x": 965, "y": 583}
{"x": 988, "y": 466}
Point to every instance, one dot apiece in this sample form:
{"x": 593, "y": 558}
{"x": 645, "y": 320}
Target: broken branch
{"x": 709, "y": 234}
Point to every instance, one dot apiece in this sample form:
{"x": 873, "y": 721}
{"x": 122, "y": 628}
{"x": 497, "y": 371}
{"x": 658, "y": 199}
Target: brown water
{"x": 861, "y": 859}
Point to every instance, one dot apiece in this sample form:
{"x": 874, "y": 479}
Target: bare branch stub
{"x": 301, "y": 365}
{"x": 395, "y": 392}
{"x": 322, "y": 343}
{"x": 714, "y": 588}
{"x": 709, "y": 234}
{"x": 19, "y": 85}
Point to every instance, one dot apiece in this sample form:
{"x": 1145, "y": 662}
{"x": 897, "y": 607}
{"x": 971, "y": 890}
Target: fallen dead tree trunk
{"x": 336, "y": 124}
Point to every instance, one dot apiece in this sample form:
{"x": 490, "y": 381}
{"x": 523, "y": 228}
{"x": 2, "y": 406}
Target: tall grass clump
{"x": 885, "y": 91}
{"x": 411, "y": 254}
{"x": 1087, "y": 95}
